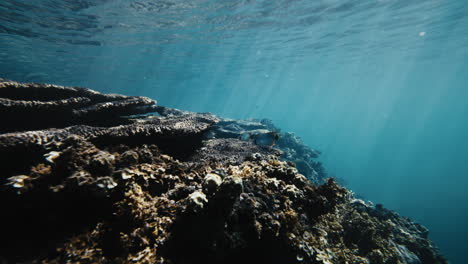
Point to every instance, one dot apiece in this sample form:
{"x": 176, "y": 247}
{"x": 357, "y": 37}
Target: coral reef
{"x": 265, "y": 133}
{"x": 171, "y": 188}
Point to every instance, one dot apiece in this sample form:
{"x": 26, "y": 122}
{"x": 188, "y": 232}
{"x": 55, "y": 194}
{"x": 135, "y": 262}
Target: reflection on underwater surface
{"x": 378, "y": 86}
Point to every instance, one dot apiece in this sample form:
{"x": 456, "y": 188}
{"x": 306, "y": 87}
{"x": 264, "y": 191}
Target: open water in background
{"x": 379, "y": 86}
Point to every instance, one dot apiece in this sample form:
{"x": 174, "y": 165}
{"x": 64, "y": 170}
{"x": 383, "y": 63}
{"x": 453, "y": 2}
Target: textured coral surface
{"x": 172, "y": 188}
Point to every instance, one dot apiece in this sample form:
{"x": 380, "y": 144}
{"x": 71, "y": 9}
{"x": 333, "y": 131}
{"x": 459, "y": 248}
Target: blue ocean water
{"x": 379, "y": 86}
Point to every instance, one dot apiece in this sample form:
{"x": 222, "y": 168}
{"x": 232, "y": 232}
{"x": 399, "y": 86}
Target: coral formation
{"x": 265, "y": 133}
{"x": 157, "y": 189}
{"x": 39, "y": 106}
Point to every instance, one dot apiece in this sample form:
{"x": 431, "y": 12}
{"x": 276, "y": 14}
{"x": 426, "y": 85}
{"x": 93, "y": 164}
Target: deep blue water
{"x": 379, "y": 86}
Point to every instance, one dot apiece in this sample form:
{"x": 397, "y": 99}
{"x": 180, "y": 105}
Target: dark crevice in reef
{"x": 19, "y": 160}
{"x": 186, "y": 247}
{"x": 97, "y": 178}
{"x": 40, "y": 224}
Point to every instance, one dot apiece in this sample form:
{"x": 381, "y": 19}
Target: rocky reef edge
{"x": 105, "y": 178}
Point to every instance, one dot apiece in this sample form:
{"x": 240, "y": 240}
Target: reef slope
{"x": 101, "y": 185}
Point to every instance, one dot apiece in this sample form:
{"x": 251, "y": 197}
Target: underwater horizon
{"x": 379, "y": 87}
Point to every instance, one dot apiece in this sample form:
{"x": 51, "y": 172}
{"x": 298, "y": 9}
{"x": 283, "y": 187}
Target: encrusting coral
{"x": 164, "y": 192}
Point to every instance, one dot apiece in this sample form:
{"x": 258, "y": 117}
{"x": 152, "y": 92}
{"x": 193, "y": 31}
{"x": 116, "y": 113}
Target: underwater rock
{"x": 156, "y": 190}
